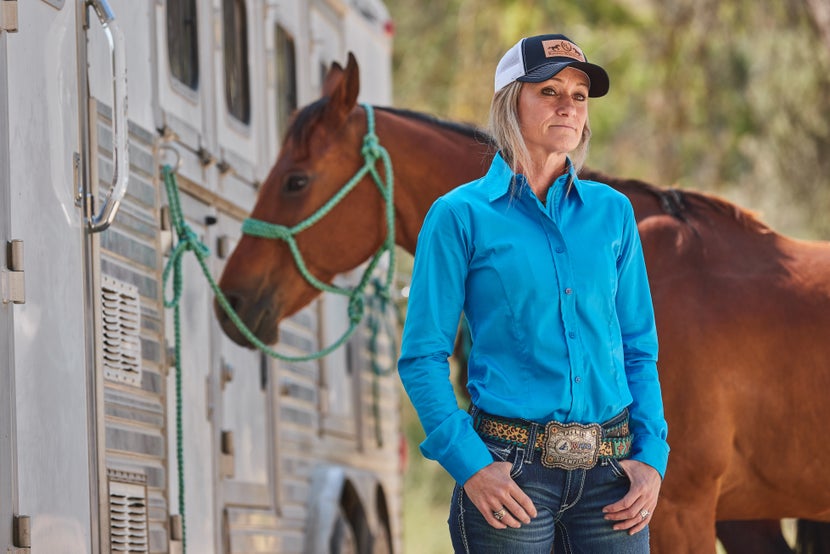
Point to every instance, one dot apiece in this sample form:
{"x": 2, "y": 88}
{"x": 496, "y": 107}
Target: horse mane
{"x": 302, "y": 123}
{"x": 678, "y": 203}
{"x": 305, "y": 119}
{"x": 464, "y": 129}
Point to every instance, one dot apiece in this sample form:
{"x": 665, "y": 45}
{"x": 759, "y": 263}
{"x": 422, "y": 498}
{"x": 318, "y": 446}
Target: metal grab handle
{"x": 120, "y": 132}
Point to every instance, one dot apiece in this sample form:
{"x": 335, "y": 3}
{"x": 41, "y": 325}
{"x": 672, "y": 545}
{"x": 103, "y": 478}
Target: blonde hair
{"x": 507, "y": 134}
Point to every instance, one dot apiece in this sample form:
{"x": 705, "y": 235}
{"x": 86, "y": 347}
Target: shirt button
{"x": 559, "y": 249}
{"x": 572, "y": 334}
{"x": 569, "y": 291}
{"x": 578, "y": 379}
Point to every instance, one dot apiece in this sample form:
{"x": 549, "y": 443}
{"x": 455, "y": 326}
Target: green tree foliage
{"x": 728, "y": 96}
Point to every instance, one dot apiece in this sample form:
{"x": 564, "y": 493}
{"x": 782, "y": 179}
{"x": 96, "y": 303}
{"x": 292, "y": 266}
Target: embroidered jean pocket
{"x": 506, "y": 453}
{"x": 617, "y": 469}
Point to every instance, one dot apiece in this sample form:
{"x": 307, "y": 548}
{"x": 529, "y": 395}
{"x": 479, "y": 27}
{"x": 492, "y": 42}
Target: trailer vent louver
{"x": 128, "y": 512}
{"x": 121, "y": 343}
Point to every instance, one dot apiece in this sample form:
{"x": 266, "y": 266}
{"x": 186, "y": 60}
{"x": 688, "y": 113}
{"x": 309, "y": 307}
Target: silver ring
{"x": 643, "y": 513}
{"x": 499, "y": 515}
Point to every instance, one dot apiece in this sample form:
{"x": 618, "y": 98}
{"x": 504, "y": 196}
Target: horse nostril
{"x": 234, "y": 301}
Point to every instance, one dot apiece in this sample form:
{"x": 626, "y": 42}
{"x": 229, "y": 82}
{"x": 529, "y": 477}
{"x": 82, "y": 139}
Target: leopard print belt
{"x": 612, "y": 441}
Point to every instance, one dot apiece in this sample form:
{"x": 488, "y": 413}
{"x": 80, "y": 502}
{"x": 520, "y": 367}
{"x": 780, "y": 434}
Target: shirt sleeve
{"x": 639, "y": 338}
{"x": 436, "y": 300}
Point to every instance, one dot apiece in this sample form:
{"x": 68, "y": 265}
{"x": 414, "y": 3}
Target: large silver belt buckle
{"x": 571, "y": 446}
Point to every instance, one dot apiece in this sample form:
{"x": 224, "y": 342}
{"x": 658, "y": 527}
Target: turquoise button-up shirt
{"x": 559, "y": 307}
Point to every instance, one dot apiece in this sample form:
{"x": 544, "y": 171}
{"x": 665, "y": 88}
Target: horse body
{"x": 740, "y": 309}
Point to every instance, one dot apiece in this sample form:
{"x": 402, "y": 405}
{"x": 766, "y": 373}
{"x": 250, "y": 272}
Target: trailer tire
{"x": 343, "y": 536}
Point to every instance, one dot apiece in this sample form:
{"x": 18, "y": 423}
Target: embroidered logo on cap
{"x": 562, "y": 48}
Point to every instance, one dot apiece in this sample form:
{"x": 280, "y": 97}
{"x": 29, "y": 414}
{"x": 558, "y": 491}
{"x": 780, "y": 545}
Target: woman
{"x": 565, "y": 438}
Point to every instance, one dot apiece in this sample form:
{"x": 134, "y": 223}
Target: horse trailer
{"x": 97, "y": 453}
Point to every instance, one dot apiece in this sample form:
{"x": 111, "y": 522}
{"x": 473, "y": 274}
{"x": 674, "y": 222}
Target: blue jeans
{"x": 569, "y": 505}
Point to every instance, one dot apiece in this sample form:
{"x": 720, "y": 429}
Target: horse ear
{"x": 342, "y": 89}
{"x": 352, "y": 80}
{"x": 332, "y": 79}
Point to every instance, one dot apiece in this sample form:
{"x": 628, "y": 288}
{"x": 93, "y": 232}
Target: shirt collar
{"x": 500, "y": 176}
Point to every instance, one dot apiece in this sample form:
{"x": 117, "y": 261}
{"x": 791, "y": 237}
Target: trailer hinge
{"x": 12, "y": 283}
{"x": 22, "y": 534}
{"x": 8, "y": 16}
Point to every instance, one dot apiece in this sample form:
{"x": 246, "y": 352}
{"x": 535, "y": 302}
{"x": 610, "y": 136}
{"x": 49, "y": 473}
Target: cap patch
{"x": 562, "y": 48}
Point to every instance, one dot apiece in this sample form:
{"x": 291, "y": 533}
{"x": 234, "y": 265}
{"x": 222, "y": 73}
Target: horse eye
{"x": 295, "y": 182}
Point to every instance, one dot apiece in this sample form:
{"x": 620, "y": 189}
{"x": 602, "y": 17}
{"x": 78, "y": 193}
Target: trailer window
{"x": 235, "y": 39}
{"x": 182, "y": 42}
{"x": 286, "y": 77}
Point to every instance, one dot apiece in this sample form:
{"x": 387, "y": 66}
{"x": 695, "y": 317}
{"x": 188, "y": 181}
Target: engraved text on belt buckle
{"x": 571, "y": 446}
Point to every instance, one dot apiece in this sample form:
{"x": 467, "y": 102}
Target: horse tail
{"x": 812, "y": 537}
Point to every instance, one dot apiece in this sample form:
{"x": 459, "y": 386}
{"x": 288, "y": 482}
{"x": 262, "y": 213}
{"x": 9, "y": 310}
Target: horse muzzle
{"x": 260, "y": 317}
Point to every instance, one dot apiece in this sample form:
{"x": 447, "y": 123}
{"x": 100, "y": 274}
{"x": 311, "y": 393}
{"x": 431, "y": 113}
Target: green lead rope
{"x": 189, "y": 241}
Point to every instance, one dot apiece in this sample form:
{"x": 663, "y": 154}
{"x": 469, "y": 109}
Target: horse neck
{"x": 428, "y": 160}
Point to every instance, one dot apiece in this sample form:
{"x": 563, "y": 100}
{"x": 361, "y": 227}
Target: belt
{"x": 563, "y": 445}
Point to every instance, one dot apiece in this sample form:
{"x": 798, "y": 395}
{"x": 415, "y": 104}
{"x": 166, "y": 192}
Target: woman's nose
{"x": 566, "y": 107}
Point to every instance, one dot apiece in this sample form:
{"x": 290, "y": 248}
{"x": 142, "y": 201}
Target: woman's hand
{"x": 495, "y": 493}
{"x": 634, "y": 510}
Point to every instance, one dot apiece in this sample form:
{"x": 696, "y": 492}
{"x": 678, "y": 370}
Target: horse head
{"x": 320, "y": 153}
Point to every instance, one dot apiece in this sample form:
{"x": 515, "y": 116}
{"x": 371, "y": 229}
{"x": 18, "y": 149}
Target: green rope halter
{"x": 371, "y": 151}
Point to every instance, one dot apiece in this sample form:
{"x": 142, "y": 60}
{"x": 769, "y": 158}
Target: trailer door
{"x": 44, "y": 418}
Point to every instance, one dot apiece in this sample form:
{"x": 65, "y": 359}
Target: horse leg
{"x": 753, "y": 537}
{"x": 685, "y": 524}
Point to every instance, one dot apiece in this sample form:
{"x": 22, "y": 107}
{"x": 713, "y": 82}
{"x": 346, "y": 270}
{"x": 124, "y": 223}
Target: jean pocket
{"x": 506, "y": 453}
{"x": 617, "y": 469}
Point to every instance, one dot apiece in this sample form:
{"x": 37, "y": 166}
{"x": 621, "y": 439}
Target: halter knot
{"x": 193, "y": 243}
{"x": 356, "y": 308}
{"x": 371, "y": 149}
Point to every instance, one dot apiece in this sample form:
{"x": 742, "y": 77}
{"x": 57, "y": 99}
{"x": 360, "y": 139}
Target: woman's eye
{"x": 296, "y": 182}
{"x": 548, "y": 92}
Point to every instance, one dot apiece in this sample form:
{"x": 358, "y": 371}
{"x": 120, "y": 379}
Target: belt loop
{"x": 474, "y": 411}
{"x": 531, "y": 442}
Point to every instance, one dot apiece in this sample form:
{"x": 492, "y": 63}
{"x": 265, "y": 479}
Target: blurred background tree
{"x": 726, "y": 96}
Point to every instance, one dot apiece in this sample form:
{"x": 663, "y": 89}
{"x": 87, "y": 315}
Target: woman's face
{"x": 552, "y": 113}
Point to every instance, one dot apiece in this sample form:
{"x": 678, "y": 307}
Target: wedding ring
{"x": 643, "y": 513}
{"x": 499, "y": 515}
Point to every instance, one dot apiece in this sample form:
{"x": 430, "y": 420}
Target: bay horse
{"x": 742, "y": 312}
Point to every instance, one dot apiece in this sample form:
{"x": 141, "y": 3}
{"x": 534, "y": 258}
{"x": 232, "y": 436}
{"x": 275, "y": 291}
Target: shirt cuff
{"x": 462, "y": 456}
{"x": 652, "y": 451}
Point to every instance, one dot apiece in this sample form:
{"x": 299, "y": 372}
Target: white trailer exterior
{"x": 278, "y": 457}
